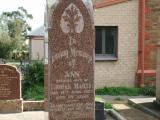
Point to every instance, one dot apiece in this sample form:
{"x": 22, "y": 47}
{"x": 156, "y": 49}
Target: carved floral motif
{"x": 72, "y": 20}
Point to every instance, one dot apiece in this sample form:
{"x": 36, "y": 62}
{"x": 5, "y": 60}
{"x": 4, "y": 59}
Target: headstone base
{"x": 33, "y": 105}
{"x": 45, "y": 104}
{"x": 11, "y": 106}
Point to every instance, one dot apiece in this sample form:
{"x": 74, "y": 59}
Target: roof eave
{"x": 108, "y": 3}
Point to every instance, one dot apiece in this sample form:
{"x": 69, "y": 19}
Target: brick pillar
{"x": 46, "y": 87}
{"x": 158, "y": 74}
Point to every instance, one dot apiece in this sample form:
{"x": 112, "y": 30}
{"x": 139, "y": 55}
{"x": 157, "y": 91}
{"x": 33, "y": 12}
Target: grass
{"x": 35, "y": 92}
{"x": 118, "y": 91}
{"x": 114, "y": 91}
{"x": 98, "y": 98}
{"x": 108, "y": 105}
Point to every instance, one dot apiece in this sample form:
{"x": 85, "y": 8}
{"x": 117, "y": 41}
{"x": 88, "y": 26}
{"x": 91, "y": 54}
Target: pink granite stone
{"x": 71, "y": 61}
{"x": 9, "y": 83}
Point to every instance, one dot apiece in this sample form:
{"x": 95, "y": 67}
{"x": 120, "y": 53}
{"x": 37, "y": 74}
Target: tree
{"x": 5, "y": 44}
{"x": 14, "y": 27}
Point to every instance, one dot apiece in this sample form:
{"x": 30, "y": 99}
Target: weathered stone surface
{"x": 33, "y": 105}
{"x": 11, "y": 106}
{"x": 46, "y": 87}
{"x": 46, "y": 104}
{"x": 158, "y": 74}
{"x": 9, "y": 83}
{"x": 71, "y": 61}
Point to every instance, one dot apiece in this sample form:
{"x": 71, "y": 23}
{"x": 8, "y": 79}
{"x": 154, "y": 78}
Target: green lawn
{"x": 35, "y": 92}
{"x": 127, "y": 91}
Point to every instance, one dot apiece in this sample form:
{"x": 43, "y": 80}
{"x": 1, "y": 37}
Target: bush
{"x": 35, "y": 92}
{"x": 5, "y": 45}
{"x": 148, "y": 90}
{"x": 33, "y": 82}
{"x": 34, "y": 73}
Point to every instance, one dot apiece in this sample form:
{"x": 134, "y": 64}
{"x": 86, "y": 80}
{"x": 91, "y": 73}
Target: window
{"x": 106, "y": 42}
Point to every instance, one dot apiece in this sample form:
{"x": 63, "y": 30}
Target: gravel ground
{"x": 40, "y": 115}
{"x": 135, "y": 114}
{"x": 34, "y": 115}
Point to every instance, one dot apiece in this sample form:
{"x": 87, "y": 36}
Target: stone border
{"x": 33, "y": 105}
{"x": 143, "y": 108}
{"x": 39, "y": 105}
{"x": 115, "y": 114}
{"x": 11, "y": 106}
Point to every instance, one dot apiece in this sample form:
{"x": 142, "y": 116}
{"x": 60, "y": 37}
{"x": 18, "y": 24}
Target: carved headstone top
{"x": 9, "y": 83}
{"x": 71, "y": 62}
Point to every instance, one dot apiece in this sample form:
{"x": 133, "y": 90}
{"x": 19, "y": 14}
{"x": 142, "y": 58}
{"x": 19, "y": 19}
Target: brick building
{"x": 36, "y": 44}
{"x": 127, "y": 32}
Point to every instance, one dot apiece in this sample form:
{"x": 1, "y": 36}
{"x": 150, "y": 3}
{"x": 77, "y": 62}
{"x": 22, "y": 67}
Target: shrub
{"x": 148, "y": 90}
{"x": 35, "y": 92}
{"x": 34, "y": 73}
{"x": 33, "y": 82}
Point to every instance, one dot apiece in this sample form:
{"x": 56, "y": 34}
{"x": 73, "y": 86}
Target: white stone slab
{"x": 120, "y": 107}
{"x": 142, "y": 100}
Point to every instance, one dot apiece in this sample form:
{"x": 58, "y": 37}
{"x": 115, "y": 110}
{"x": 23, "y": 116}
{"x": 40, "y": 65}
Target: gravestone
{"x": 99, "y": 110}
{"x": 71, "y": 60}
{"x": 10, "y": 93}
{"x": 158, "y": 75}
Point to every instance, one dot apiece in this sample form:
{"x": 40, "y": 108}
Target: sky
{"x": 34, "y": 7}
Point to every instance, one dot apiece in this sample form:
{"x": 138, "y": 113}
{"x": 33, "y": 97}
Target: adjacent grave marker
{"x": 10, "y": 93}
{"x": 9, "y": 83}
{"x": 158, "y": 75}
{"x": 71, "y": 60}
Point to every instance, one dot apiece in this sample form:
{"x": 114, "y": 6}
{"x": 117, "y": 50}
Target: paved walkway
{"x": 38, "y": 115}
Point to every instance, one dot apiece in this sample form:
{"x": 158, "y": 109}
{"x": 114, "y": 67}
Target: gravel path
{"x": 40, "y": 115}
{"x": 34, "y": 115}
{"x": 135, "y": 114}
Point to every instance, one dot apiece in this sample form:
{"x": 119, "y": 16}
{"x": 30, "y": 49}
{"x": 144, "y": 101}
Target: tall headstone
{"x": 71, "y": 60}
{"x": 158, "y": 75}
{"x": 46, "y": 60}
{"x": 10, "y": 89}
